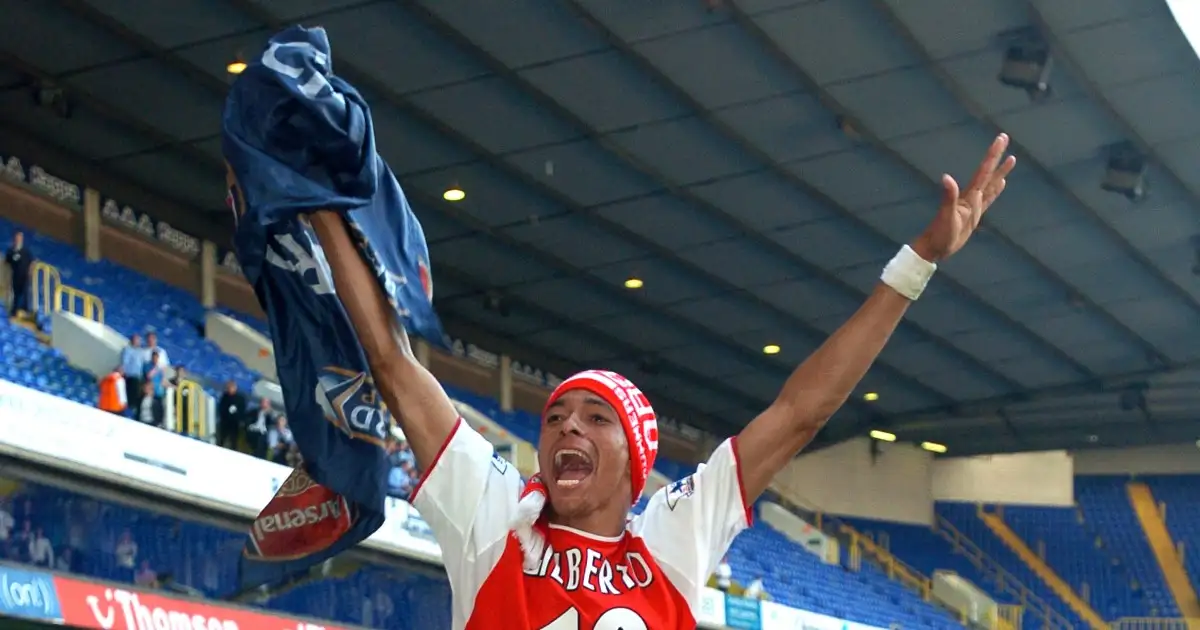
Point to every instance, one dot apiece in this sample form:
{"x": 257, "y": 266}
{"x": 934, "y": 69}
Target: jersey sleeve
{"x": 689, "y": 524}
{"x": 468, "y": 497}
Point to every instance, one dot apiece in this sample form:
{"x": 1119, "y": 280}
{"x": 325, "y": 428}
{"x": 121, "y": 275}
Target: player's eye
{"x": 599, "y": 419}
{"x": 554, "y": 418}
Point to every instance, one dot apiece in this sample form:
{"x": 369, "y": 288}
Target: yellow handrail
{"x": 1005, "y": 581}
{"x": 894, "y": 567}
{"x": 1010, "y": 616}
{"x": 1155, "y": 623}
{"x": 91, "y": 307}
{"x": 45, "y": 278}
{"x": 199, "y": 411}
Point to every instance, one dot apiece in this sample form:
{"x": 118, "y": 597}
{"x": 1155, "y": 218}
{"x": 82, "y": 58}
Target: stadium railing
{"x": 1005, "y": 581}
{"x": 51, "y": 294}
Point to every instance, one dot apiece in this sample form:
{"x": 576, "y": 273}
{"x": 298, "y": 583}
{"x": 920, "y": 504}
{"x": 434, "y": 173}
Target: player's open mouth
{"x": 571, "y": 466}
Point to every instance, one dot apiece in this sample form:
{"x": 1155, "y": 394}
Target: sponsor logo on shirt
{"x": 302, "y": 519}
{"x": 586, "y": 569}
{"x": 350, "y": 402}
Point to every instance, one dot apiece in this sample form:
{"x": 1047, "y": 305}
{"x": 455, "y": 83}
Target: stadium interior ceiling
{"x": 696, "y": 193}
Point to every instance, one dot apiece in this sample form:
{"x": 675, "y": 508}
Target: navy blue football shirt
{"x": 299, "y": 139}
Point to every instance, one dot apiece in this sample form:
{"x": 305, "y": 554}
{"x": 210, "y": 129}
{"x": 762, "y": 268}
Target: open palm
{"x": 960, "y": 213}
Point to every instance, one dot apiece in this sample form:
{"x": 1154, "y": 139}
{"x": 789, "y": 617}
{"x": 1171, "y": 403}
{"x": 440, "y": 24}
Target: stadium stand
{"x": 134, "y": 303}
{"x": 1098, "y": 549}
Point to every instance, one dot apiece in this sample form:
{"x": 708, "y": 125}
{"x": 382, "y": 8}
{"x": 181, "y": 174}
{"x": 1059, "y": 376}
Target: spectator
{"x": 155, "y": 376}
{"x": 724, "y": 575}
{"x": 402, "y": 454}
{"x": 7, "y": 522}
{"x": 231, "y": 411}
{"x": 25, "y": 535}
{"x": 162, "y": 360}
{"x": 279, "y": 440}
{"x": 66, "y": 561}
{"x": 150, "y": 410}
{"x": 20, "y": 265}
{"x": 294, "y": 459}
{"x": 133, "y": 362}
{"x": 41, "y": 552}
{"x": 256, "y": 431}
{"x": 754, "y": 590}
{"x": 126, "y": 551}
{"x": 146, "y": 576}
{"x": 183, "y": 411}
{"x": 400, "y": 482}
{"x": 112, "y": 391}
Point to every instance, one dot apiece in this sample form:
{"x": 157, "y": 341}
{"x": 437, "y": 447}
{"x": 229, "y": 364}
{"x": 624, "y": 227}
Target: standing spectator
{"x": 126, "y": 552}
{"x": 155, "y": 376}
{"x": 754, "y": 590}
{"x": 231, "y": 412}
{"x": 41, "y": 552}
{"x": 279, "y": 440}
{"x": 261, "y": 419}
{"x": 66, "y": 561}
{"x": 293, "y": 459}
{"x": 7, "y": 522}
{"x": 162, "y": 360}
{"x": 20, "y": 265}
{"x": 112, "y": 391}
{"x": 183, "y": 411}
{"x": 24, "y": 536}
{"x": 724, "y": 575}
{"x": 150, "y": 409}
{"x": 146, "y": 576}
{"x": 133, "y": 362}
{"x": 400, "y": 481}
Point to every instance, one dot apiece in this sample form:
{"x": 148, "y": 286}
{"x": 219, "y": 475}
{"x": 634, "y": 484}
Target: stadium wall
{"x": 859, "y": 478}
{"x": 1173, "y": 459}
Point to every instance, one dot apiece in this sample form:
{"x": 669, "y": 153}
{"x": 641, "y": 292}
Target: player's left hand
{"x": 960, "y": 213}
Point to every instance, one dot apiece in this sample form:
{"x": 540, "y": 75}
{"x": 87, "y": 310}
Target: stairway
{"x": 1155, "y": 528}
{"x": 1003, "y": 580}
{"x": 1042, "y": 570}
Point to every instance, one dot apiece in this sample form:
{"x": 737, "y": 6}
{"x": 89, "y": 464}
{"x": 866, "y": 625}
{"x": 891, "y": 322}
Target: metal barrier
{"x": 50, "y": 295}
{"x": 90, "y": 306}
{"x": 196, "y": 406}
{"x": 895, "y": 568}
{"x": 46, "y": 279}
{"x": 1154, "y": 623}
{"x": 1010, "y": 617}
{"x": 1004, "y": 581}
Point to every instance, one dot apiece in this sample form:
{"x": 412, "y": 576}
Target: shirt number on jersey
{"x": 615, "y": 619}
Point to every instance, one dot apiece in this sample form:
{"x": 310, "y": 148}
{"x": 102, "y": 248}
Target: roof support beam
{"x": 203, "y": 160}
{"x": 926, "y": 418}
{"x": 1063, "y": 57}
{"x": 825, "y": 200}
{"x": 739, "y": 226}
{"x": 102, "y": 108}
{"x": 752, "y": 27}
{"x": 397, "y": 100}
{"x": 979, "y": 113}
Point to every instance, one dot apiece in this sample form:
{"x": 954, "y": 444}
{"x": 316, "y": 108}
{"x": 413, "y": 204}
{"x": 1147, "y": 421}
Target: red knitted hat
{"x": 637, "y": 417}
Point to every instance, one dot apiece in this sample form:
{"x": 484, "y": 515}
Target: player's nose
{"x": 572, "y": 425}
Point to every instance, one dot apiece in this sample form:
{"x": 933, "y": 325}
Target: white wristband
{"x": 908, "y": 273}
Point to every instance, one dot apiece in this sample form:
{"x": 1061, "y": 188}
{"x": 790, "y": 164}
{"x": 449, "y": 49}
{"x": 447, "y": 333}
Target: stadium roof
{"x": 754, "y": 163}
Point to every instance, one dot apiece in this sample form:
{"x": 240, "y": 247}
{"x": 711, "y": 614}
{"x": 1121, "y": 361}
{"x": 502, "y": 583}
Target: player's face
{"x": 584, "y": 455}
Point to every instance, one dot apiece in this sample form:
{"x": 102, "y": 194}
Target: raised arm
{"x": 413, "y": 395}
{"x": 821, "y": 385}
